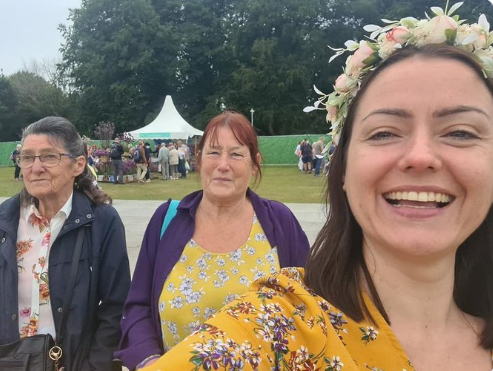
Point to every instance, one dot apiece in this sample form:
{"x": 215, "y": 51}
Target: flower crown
{"x": 383, "y": 41}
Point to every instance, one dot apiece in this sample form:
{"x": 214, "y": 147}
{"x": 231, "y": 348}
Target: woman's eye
{"x": 213, "y": 153}
{"x": 237, "y": 155}
{"x": 462, "y": 135}
{"x": 383, "y": 134}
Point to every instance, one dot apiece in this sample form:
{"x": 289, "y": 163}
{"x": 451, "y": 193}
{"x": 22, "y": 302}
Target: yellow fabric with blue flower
{"x": 202, "y": 282}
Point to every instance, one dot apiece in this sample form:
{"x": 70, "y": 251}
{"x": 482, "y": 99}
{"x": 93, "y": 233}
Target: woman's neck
{"x": 418, "y": 291}
{"x": 222, "y": 210}
{"x": 50, "y": 207}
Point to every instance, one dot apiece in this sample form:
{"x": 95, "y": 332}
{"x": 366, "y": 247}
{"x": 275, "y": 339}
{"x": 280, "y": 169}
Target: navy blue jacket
{"x": 103, "y": 279}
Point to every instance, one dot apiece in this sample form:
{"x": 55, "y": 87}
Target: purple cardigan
{"x": 141, "y": 329}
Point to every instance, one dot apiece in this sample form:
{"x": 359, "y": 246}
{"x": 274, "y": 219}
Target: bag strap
{"x": 170, "y": 214}
{"x": 69, "y": 291}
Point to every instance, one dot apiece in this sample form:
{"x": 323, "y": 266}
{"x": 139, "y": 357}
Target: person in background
{"x": 163, "y": 158}
{"x": 307, "y": 156}
{"x": 15, "y": 160}
{"x": 38, "y": 229}
{"x": 318, "y": 155}
{"x": 182, "y": 158}
{"x": 401, "y": 275}
{"x": 140, "y": 161}
{"x": 221, "y": 239}
{"x": 173, "y": 161}
{"x": 116, "y": 152}
{"x": 148, "y": 154}
{"x": 297, "y": 153}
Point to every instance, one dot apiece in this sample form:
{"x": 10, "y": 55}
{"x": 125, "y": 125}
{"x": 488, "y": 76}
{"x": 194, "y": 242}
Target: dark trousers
{"x": 17, "y": 171}
{"x": 318, "y": 164}
{"x": 117, "y": 170}
{"x": 181, "y": 168}
{"x": 148, "y": 173}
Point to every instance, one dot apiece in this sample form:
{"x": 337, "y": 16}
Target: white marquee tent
{"x": 167, "y": 125}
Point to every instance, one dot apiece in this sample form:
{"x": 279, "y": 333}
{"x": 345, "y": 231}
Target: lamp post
{"x": 252, "y": 111}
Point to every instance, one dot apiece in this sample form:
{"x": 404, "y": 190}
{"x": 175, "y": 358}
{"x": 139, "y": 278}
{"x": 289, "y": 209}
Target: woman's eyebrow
{"x": 389, "y": 111}
{"x": 458, "y": 109}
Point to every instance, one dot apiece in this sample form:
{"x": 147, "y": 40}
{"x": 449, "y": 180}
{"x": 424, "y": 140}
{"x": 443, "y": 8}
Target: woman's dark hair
{"x": 242, "y": 130}
{"x": 336, "y": 267}
{"x": 61, "y": 132}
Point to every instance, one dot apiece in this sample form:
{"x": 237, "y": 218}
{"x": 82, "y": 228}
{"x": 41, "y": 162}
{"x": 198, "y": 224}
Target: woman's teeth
{"x": 419, "y": 196}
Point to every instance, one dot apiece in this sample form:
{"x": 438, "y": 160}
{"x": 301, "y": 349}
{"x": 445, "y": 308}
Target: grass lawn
{"x": 281, "y": 183}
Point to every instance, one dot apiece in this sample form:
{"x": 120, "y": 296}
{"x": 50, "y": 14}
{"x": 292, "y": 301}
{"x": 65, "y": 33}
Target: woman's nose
{"x": 421, "y": 154}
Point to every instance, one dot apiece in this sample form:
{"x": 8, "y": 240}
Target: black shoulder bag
{"x": 41, "y": 352}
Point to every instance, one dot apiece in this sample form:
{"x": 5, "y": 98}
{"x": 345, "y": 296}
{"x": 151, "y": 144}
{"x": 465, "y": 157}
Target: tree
{"x": 10, "y": 124}
{"x": 120, "y": 59}
{"x": 37, "y": 98}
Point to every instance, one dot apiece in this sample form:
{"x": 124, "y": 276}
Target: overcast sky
{"x": 28, "y": 31}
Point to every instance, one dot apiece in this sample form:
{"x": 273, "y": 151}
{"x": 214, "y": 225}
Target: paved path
{"x": 136, "y": 214}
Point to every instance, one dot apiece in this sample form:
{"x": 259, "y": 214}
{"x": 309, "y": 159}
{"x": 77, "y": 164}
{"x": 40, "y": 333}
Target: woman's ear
{"x": 80, "y": 164}
{"x": 344, "y": 183}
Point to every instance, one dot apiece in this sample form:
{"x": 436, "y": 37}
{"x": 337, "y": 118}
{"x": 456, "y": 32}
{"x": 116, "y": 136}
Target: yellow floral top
{"x": 202, "y": 282}
{"x": 283, "y": 325}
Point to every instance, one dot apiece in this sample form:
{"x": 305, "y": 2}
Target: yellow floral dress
{"x": 283, "y": 325}
{"x": 202, "y": 282}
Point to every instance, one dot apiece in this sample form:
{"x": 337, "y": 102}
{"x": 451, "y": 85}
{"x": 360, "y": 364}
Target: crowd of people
{"x": 398, "y": 278}
{"x": 313, "y": 157}
{"x": 170, "y": 159}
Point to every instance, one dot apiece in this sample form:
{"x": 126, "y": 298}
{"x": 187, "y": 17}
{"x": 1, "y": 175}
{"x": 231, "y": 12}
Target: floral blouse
{"x": 35, "y": 235}
{"x": 283, "y": 325}
{"x": 202, "y": 282}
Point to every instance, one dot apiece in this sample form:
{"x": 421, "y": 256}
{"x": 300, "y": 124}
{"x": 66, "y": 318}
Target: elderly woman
{"x": 221, "y": 239}
{"x": 38, "y": 230}
{"x": 401, "y": 276}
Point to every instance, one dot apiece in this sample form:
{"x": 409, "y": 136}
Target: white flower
{"x": 443, "y": 27}
{"x": 221, "y": 262}
{"x": 229, "y": 298}
{"x": 209, "y": 312}
{"x": 183, "y": 258}
{"x": 172, "y": 327}
{"x": 260, "y": 237}
{"x": 177, "y": 302}
{"x": 203, "y": 276}
{"x": 196, "y": 311}
{"x": 201, "y": 263}
{"x": 244, "y": 280}
{"x": 236, "y": 255}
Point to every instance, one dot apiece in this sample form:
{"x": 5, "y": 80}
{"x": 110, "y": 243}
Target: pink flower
{"x": 343, "y": 83}
{"x": 331, "y": 113}
{"x": 398, "y": 34}
{"x": 355, "y": 63}
{"x": 437, "y": 27}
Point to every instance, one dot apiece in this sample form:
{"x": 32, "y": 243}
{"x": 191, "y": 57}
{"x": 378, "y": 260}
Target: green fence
{"x": 276, "y": 150}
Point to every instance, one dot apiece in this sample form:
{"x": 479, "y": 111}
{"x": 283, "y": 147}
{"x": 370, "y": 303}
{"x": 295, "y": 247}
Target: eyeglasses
{"x": 47, "y": 159}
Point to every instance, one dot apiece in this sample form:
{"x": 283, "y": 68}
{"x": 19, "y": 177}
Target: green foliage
{"x": 9, "y": 123}
{"x": 121, "y": 58}
{"x": 26, "y": 97}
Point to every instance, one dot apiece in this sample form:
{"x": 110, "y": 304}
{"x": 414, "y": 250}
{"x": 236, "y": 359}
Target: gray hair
{"x": 62, "y": 132}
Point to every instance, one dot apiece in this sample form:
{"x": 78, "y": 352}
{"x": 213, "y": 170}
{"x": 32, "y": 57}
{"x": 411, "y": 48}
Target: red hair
{"x": 242, "y": 130}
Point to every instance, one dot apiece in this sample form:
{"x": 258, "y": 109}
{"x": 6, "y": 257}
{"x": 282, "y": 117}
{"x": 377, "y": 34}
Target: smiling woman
{"x": 400, "y": 276}
{"x": 221, "y": 239}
